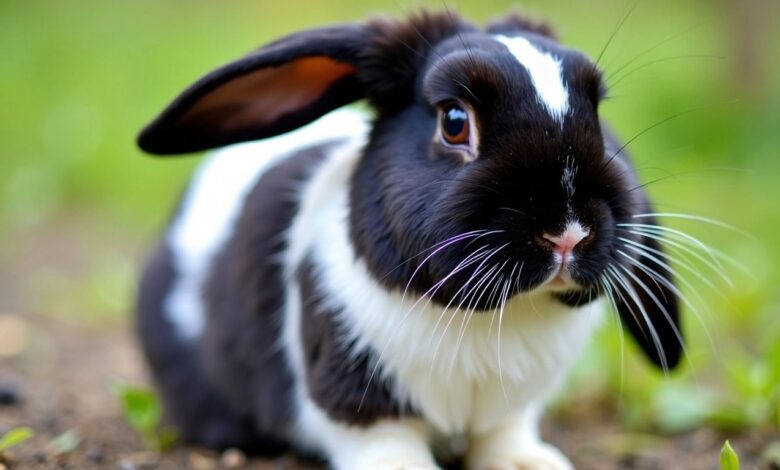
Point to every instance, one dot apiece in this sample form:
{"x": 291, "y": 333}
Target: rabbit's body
{"x": 361, "y": 289}
{"x": 311, "y": 276}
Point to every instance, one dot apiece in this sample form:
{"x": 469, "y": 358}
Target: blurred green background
{"x": 79, "y": 204}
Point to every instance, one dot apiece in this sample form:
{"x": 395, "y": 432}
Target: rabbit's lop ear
{"x": 280, "y": 87}
{"x": 647, "y": 299}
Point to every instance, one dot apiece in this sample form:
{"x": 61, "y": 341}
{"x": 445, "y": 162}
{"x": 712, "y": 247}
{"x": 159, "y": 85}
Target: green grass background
{"x": 79, "y": 78}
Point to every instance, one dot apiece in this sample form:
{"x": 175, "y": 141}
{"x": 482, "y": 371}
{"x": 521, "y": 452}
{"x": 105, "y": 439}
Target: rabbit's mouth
{"x": 561, "y": 279}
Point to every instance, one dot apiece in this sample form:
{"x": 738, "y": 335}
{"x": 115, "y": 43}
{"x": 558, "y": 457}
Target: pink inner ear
{"x": 259, "y": 98}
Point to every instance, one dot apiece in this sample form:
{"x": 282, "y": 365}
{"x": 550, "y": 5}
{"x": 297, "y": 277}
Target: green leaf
{"x": 141, "y": 407}
{"x": 143, "y": 411}
{"x": 15, "y": 437}
{"x": 778, "y": 417}
{"x": 728, "y": 458}
{"x": 65, "y": 443}
{"x": 167, "y": 437}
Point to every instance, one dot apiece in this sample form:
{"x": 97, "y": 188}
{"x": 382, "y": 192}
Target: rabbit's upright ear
{"x": 282, "y": 86}
{"x": 647, "y": 300}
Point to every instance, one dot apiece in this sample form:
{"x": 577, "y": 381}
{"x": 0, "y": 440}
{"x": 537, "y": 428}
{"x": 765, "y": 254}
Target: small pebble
{"x": 628, "y": 461}
{"x": 126, "y": 465}
{"x": 200, "y": 461}
{"x": 52, "y": 424}
{"x": 13, "y": 335}
{"x": 9, "y": 395}
{"x": 40, "y": 457}
{"x": 141, "y": 460}
{"x": 96, "y": 456}
{"x": 233, "y": 458}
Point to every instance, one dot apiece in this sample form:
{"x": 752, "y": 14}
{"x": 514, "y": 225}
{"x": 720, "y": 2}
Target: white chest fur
{"x": 460, "y": 377}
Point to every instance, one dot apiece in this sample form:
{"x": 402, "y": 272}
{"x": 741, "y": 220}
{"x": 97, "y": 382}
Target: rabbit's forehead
{"x": 546, "y": 72}
{"x": 515, "y": 69}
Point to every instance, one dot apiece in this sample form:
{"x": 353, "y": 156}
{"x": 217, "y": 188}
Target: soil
{"x": 56, "y": 373}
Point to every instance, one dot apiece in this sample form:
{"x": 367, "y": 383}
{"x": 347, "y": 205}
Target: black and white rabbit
{"x": 363, "y": 288}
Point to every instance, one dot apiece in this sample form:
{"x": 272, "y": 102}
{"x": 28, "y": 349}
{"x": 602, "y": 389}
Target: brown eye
{"x": 455, "y": 125}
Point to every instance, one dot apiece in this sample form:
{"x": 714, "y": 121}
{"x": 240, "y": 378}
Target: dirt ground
{"x": 62, "y": 382}
{"x": 55, "y": 376}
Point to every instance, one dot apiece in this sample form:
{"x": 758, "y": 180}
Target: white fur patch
{"x": 546, "y": 74}
{"x": 567, "y": 178}
{"x": 575, "y": 231}
{"x": 214, "y": 200}
{"x": 458, "y": 382}
{"x": 389, "y": 444}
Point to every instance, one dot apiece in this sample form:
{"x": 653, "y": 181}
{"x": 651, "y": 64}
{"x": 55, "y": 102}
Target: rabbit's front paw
{"x": 401, "y": 465}
{"x": 539, "y": 456}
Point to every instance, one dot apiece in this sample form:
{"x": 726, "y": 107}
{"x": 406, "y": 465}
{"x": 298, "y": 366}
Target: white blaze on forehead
{"x": 546, "y": 74}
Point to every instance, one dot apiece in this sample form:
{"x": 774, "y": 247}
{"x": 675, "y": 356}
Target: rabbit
{"x": 364, "y": 285}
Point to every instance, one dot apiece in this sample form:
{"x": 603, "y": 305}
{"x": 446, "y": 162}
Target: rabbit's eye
{"x": 455, "y": 125}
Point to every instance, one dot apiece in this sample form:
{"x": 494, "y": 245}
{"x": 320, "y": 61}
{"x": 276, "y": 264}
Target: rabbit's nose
{"x": 563, "y": 244}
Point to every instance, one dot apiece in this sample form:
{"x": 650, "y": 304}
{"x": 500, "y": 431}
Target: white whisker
{"x": 631, "y": 292}
{"x": 714, "y": 254}
{"x": 697, "y": 218}
{"x": 469, "y": 312}
{"x": 505, "y": 293}
{"x": 674, "y": 245}
{"x": 649, "y": 253}
{"x": 475, "y": 256}
{"x": 607, "y": 283}
{"x": 657, "y": 276}
{"x": 495, "y": 291}
{"x": 441, "y": 246}
{"x": 660, "y": 306}
{"x": 477, "y": 271}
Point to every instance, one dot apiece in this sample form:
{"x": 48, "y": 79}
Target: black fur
{"x": 665, "y": 316}
{"x": 515, "y": 23}
{"x": 192, "y": 403}
{"x": 409, "y": 192}
{"x": 232, "y": 387}
{"x": 346, "y": 384}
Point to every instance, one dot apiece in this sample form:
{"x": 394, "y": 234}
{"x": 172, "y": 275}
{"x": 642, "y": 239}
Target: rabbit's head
{"x": 487, "y": 172}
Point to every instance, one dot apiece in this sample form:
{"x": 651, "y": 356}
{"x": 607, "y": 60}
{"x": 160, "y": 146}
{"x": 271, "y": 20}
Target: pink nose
{"x": 564, "y": 243}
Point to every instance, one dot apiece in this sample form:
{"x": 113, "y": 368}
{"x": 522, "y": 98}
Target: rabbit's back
{"x": 212, "y": 297}
{"x": 217, "y": 197}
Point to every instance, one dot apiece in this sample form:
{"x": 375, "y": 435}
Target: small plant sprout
{"x": 728, "y": 458}
{"x": 778, "y": 417}
{"x": 13, "y": 438}
{"x": 143, "y": 412}
{"x": 65, "y": 443}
